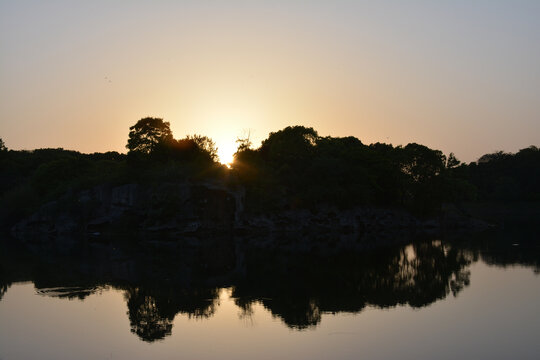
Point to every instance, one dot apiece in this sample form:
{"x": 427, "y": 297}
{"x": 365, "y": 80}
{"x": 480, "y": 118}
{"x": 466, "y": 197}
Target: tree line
{"x": 293, "y": 168}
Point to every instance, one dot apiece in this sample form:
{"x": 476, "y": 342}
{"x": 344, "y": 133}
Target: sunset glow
{"x": 77, "y": 75}
{"x": 226, "y": 152}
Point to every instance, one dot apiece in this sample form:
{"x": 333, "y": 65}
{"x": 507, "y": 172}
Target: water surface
{"x": 233, "y": 298}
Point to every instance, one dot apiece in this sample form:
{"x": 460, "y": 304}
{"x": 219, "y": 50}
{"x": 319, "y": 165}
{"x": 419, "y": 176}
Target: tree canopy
{"x": 205, "y": 144}
{"x": 293, "y": 168}
{"x": 152, "y": 139}
{"x": 147, "y": 134}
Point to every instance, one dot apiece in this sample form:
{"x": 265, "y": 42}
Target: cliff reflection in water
{"x": 161, "y": 279}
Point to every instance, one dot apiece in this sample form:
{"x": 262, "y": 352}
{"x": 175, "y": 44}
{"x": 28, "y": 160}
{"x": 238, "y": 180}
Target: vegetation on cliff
{"x": 294, "y": 168}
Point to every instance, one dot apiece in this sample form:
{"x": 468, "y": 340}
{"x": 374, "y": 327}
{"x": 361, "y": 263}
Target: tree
{"x": 147, "y": 134}
{"x": 496, "y": 156}
{"x": 452, "y": 161}
{"x": 244, "y": 143}
{"x": 2, "y": 145}
{"x": 205, "y": 144}
{"x": 422, "y": 168}
{"x": 422, "y": 163}
{"x": 290, "y": 145}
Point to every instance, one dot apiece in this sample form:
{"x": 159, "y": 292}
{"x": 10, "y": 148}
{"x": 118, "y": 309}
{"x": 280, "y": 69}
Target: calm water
{"x": 467, "y": 298}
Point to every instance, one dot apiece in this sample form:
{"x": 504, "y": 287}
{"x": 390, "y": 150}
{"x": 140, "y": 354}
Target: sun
{"x": 226, "y": 153}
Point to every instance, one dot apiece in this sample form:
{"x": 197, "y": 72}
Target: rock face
{"x": 356, "y": 220}
{"x": 174, "y": 207}
{"x": 179, "y": 208}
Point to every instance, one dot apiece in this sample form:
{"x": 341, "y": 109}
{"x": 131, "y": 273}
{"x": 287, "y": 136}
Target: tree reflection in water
{"x": 151, "y": 312}
{"x": 300, "y": 288}
{"x": 146, "y": 318}
{"x": 295, "y": 286}
{"x": 3, "y": 290}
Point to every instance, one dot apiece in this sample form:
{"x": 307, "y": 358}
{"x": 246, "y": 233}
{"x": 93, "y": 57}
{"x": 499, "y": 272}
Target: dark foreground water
{"x": 466, "y": 298}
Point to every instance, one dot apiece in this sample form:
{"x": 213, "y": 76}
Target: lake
{"x": 461, "y": 297}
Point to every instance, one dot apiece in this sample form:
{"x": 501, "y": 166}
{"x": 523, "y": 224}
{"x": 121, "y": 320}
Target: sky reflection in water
{"x": 429, "y": 299}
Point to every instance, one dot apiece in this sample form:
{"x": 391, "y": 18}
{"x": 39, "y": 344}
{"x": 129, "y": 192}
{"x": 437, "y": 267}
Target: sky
{"x": 458, "y": 76}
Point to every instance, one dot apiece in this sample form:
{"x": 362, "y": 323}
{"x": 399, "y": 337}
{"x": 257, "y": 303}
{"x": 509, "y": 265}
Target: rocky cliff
{"x": 206, "y": 207}
{"x": 177, "y": 207}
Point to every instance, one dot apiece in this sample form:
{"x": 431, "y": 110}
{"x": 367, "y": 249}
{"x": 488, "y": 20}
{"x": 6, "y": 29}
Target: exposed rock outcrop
{"x": 179, "y": 208}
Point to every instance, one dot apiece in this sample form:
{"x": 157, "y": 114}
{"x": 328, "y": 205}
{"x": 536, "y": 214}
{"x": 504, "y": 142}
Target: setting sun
{"x": 226, "y": 152}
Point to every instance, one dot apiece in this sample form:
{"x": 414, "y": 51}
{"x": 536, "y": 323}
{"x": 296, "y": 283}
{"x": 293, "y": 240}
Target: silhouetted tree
{"x": 506, "y": 177}
{"x": 147, "y": 134}
{"x": 205, "y": 144}
{"x": 244, "y": 143}
{"x": 293, "y": 168}
{"x": 496, "y": 156}
{"x": 294, "y": 143}
{"x": 452, "y": 161}
{"x": 422, "y": 163}
{"x": 422, "y": 167}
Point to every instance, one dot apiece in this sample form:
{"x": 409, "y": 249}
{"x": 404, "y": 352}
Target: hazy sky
{"x": 461, "y": 76}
